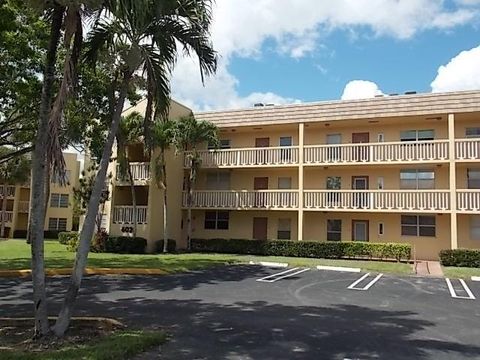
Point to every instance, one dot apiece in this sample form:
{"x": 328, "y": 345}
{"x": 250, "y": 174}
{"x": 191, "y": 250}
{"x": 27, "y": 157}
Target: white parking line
{"x": 366, "y": 287}
{"x": 465, "y": 287}
{"x": 338, "y": 268}
{"x": 284, "y": 274}
{"x": 475, "y": 278}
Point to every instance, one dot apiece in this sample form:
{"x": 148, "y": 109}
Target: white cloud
{"x": 461, "y": 73}
{"x": 296, "y": 28}
{"x": 360, "y": 89}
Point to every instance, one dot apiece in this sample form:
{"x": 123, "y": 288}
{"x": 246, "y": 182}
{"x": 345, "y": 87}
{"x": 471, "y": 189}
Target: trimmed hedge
{"x": 460, "y": 257}
{"x": 73, "y": 242}
{"x": 65, "y": 236}
{"x": 309, "y": 249}
{"x": 125, "y": 245}
{"x": 171, "y": 246}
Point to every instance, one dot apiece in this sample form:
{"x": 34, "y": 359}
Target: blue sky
{"x": 283, "y": 51}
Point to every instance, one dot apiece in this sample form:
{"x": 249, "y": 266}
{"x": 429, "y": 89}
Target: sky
{"x": 286, "y": 51}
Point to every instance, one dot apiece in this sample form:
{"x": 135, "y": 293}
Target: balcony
{"x": 8, "y": 216}
{"x": 378, "y": 200}
{"x": 140, "y": 172}
{"x": 10, "y": 191}
{"x": 248, "y": 157}
{"x": 468, "y": 201}
{"x": 124, "y": 215}
{"x": 244, "y": 200}
{"x": 23, "y": 206}
{"x": 374, "y": 153}
{"x": 467, "y": 149}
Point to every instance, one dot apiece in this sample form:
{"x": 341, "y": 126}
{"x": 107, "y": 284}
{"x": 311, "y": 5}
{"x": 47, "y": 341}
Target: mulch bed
{"x": 17, "y": 333}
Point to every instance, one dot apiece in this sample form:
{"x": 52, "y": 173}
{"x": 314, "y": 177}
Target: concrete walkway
{"x": 429, "y": 268}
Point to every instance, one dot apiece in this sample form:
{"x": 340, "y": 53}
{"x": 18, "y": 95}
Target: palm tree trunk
{"x": 165, "y": 207}
{"x": 4, "y": 211}
{"x": 134, "y": 199}
{"x": 47, "y": 186}
{"x": 88, "y": 228}
{"x": 37, "y": 215}
{"x": 189, "y": 207}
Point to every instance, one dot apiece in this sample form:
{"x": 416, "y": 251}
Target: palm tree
{"x": 189, "y": 134}
{"x": 148, "y": 33}
{"x": 128, "y": 134}
{"x": 161, "y": 138}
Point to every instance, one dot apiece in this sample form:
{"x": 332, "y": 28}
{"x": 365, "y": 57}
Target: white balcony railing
{"x": 124, "y": 214}
{"x": 378, "y": 200}
{"x": 468, "y": 200}
{"x": 259, "y": 199}
{"x": 400, "y": 152}
{"x": 140, "y": 172}
{"x": 10, "y": 191}
{"x": 467, "y": 149}
{"x": 23, "y": 206}
{"x": 8, "y": 216}
{"x": 248, "y": 157}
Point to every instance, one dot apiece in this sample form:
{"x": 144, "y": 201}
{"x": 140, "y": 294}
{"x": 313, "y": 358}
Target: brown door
{"x": 361, "y": 153}
{"x": 260, "y": 225}
{"x": 360, "y": 229}
{"x": 262, "y": 155}
{"x": 361, "y": 198}
{"x": 260, "y": 183}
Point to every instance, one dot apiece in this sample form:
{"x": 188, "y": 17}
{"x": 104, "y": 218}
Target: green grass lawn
{"x": 460, "y": 272}
{"x": 15, "y": 254}
{"x": 119, "y": 346}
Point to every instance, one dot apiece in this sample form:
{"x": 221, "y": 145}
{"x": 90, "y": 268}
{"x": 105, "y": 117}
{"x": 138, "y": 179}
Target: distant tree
{"x": 189, "y": 134}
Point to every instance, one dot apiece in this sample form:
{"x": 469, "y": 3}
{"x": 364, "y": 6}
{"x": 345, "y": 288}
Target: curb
{"x": 475, "y": 278}
{"x": 338, "y": 268}
{"x": 270, "y": 264}
{"x": 88, "y": 271}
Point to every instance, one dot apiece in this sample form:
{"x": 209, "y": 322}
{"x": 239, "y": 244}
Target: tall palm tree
{"x": 189, "y": 134}
{"x": 161, "y": 138}
{"x": 148, "y": 33}
{"x": 128, "y": 134}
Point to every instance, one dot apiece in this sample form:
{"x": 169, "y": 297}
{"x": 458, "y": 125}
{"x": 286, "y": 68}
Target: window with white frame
{"x": 218, "y": 180}
{"x": 59, "y": 200}
{"x": 56, "y": 178}
{"x": 417, "y": 135}
{"x": 418, "y": 225}
{"x": 473, "y": 178}
{"x": 417, "y": 179}
{"x": 216, "y": 220}
{"x": 284, "y": 182}
{"x": 284, "y": 229}
{"x": 380, "y": 183}
{"x": 472, "y": 132}
{"x": 223, "y": 144}
{"x": 59, "y": 224}
{"x": 380, "y": 137}
{"x": 381, "y": 228}
{"x": 475, "y": 227}
{"x": 334, "y": 230}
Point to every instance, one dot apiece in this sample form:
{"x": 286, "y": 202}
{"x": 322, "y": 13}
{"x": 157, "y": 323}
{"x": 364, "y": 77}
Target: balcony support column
{"x": 453, "y": 182}
{"x": 301, "y": 132}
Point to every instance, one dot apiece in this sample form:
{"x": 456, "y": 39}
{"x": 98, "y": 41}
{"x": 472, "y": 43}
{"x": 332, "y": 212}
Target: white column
{"x": 301, "y": 131}
{"x": 452, "y": 182}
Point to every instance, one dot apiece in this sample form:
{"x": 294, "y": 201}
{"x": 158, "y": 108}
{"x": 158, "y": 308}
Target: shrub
{"x": 171, "y": 246}
{"x": 51, "y": 234}
{"x": 460, "y": 257}
{"x": 99, "y": 242}
{"x": 125, "y": 245}
{"x": 20, "y": 234}
{"x": 310, "y": 249}
{"x": 65, "y": 236}
{"x": 73, "y": 242}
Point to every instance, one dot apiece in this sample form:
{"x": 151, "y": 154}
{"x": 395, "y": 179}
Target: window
{"x": 284, "y": 182}
{"x": 333, "y": 183}
{"x": 334, "y": 152}
{"x": 418, "y": 225}
{"x": 59, "y": 200}
{"x": 417, "y": 179}
{"x": 218, "y": 180}
{"x": 216, "y": 220}
{"x": 473, "y": 178}
{"x": 223, "y": 144}
{"x": 286, "y": 154}
{"x": 56, "y": 178}
{"x": 417, "y": 135}
{"x": 475, "y": 227}
{"x": 334, "y": 230}
{"x": 472, "y": 132}
{"x": 284, "y": 229}
{"x": 380, "y": 183}
{"x": 380, "y": 137}
{"x": 381, "y": 229}
{"x": 59, "y": 224}
{"x": 285, "y": 141}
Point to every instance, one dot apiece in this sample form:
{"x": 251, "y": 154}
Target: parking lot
{"x": 254, "y": 312}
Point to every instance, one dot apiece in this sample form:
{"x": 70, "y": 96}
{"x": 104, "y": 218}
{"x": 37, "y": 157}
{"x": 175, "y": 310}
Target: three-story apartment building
{"x": 389, "y": 169}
